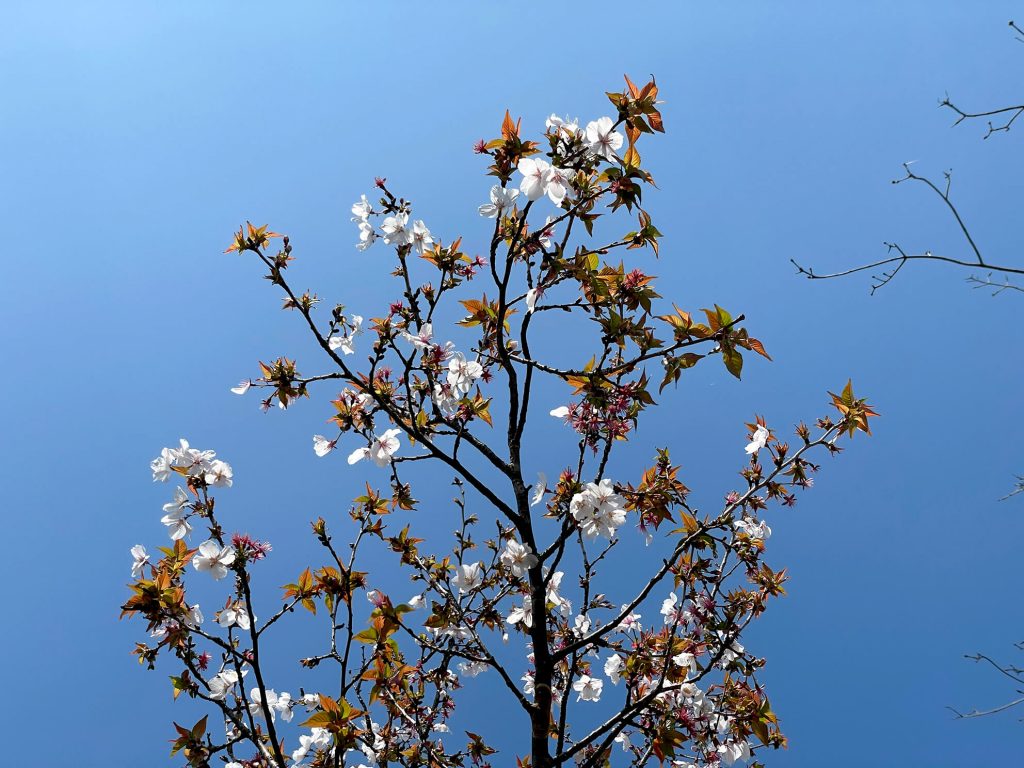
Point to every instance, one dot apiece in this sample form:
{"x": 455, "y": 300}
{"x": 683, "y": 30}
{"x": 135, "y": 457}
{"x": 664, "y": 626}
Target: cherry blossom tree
{"x": 606, "y": 668}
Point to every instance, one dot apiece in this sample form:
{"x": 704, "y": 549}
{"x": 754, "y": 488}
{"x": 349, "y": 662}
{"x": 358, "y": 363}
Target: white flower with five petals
{"x": 468, "y": 576}
{"x": 518, "y": 558}
{"x": 535, "y": 177}
{"x": 462, "y": 373}
{"x": 396, "y": 229}
{"x": 502, "y": 200}
{"x": 603, "y": 139}
{"x": 213, "y": 558}
{"x": 588, "y": 688}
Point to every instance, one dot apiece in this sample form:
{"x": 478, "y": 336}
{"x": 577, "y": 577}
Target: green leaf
{"x": 733, "y": 360}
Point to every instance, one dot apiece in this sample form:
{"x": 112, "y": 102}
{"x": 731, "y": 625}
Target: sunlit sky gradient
{"x": 134, "y": 137}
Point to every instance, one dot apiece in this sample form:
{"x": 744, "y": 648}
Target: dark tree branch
{"x": 893, "y": 264}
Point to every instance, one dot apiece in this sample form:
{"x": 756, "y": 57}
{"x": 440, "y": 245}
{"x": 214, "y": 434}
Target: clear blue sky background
{"x": 134, "y": 137}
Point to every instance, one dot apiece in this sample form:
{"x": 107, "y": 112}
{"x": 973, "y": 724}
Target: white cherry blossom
{"x": 603, "y": 139}
{"x": 420, "y": 237}
{"x": 472, "y": 668}
{"x": 381, "y": 449}
{"x": 462, "y": 373}
{"x": 192, "y": 460}
{"x": 446, "y": 399}
{"x": 318, "y": 738}
{"x": 559, "y": 183}
{"x": 536, "y": 178}
{"x": 214, "y": 558}
{"x": 759, "y": 441}
{"x": 613, "y": 668}
{"x": 566, "y": 127}
{"x": 346, "y": 343}
{"x": 519, "y": 558}
{"x": 671, "y": 610}
{"x": 361, "y": 210}
{"x": 243, "y": 387}
{"x": 416, "y": 602}
{"x": 531, "y": 298}
{"x": 278, "y": 704}
{"x": 539, "y": 489}
{"x": 139, "y": 560}
{"x": 176, "y": 517}
{"x": 235, "y": 615}
{"x": 753, "y": 529}
{"x": 221, "y": 684}
{"x": 630, "y": 621}
{"x": 547, "y": 233}
{"x": 468, "y": 576}
{"x": 423, "y": 338}
{"x": 552, "y": 596}
{"x": 733, "y": 751}
{"x": 588, "y": 688}
{"x": 581, "y": 625}
{"x": 322, "y": 446}
{"x": 162, "y": 465}
{"x": 687, "y": 661}
{"x": 367, "y": 235}
{"x": 502, "y": 199}
{"x": 396, "y": 229}
{"x": 219, "y": 474}
{"x": 522, "y": 614}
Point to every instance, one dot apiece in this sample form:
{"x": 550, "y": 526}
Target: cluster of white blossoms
{"x": 687, "y": 700}
{"x": 598, "y": 509}
{"x": 541, "y": 178}
{"x": 278, "y": 704}
{"x": 459, "y": 379}
{"x": 176, "y": 514}
{"x": 589, "y": 688}
{"x": 361, "y": 216}
{"x": 188, "y": 462}
{"x": 380, "y": 450}
{"x": 673, "y": 612}
{"x": 346, "y": 341}
{"x": 394, "y": 230}
{"x": 524, "y": 614}
{"x": 185, "y": 460}
{"x": 318, "y": 738}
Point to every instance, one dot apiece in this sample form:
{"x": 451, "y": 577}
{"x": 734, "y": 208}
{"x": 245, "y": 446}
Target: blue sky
{"x": 134, "y": 137}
